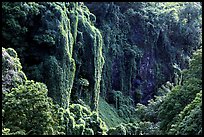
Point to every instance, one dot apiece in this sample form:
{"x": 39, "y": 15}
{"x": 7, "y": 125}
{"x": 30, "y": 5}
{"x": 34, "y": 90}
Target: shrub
{"x": 85, "y": 122}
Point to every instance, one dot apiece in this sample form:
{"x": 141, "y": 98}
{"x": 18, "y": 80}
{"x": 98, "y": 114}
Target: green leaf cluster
{"x": 27, "y": 108}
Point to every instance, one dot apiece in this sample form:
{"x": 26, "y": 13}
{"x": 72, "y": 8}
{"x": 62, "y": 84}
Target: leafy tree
{"x": 179, "y": 111}
{"x": 27, "y": 108}
{"x": 189, "y": 120}
{"x": 182, "y": 95}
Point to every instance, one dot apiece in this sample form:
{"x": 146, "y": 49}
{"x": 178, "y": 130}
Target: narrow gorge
{"x": 101, "y": 68}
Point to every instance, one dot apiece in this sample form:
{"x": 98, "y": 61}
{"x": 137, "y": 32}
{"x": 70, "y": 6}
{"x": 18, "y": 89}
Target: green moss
{"x": 60, "y": 46}
{"x": 98, "y": 65}
{"x": 47, "y": 32}
{"x": 89, "y": 50}
{"x": 74, "y": 23}
{"x": 53, "y": 35}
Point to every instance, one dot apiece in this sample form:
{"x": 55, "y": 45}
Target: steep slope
{"x": 142, "y": 42}
{"x": 101, "y": 64}
{"x": 109, "y": 114}
{"x": 57, "y": 44}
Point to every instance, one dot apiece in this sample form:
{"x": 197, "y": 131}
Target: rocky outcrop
{"x": 57, "y": 43}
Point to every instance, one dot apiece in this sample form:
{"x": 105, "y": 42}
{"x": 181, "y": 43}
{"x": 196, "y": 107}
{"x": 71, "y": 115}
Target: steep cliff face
{"x": 54, "y": 41}
{"x": 142, "y": 42}
{"x": 88, "y": 56}
{"x": 59, "y": 45}
{"x": 124, "y": 53}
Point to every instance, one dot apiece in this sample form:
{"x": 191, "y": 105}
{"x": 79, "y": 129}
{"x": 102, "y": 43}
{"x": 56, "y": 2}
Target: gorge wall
{"x": 81, "y": 50}
{"x": 142, "y": 43}
{"x": 116, "y": 68}
{"x": 57, "y": 44}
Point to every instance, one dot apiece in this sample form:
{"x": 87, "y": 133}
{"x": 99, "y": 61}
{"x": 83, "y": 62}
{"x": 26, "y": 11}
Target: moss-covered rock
{"x": 65, "y": 46}
{"x": 139, "y": 49}
{"x": 46, "y": 37}
{"x": 88, "y": 56}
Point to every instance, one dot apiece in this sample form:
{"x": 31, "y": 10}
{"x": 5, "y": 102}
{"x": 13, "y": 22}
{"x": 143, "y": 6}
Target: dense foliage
{"x": 112, "y": 68}
{"x": 143, "y": 41}
{"x": 178, "y": 109}
{"x": 27, "y": 109}
{"x": 59, "y": 53}
{"x": 182, "y": 96}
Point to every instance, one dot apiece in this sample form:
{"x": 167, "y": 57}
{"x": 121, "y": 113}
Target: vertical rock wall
{"x": 48, "y": 38}
{"x": 142, "y": 41}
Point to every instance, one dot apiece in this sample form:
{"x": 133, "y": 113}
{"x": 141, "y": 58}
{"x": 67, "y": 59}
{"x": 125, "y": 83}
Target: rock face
{"x": 141, "y": 46}
{"x": 57, "y": 44}
{"x": 123, "y": 52}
